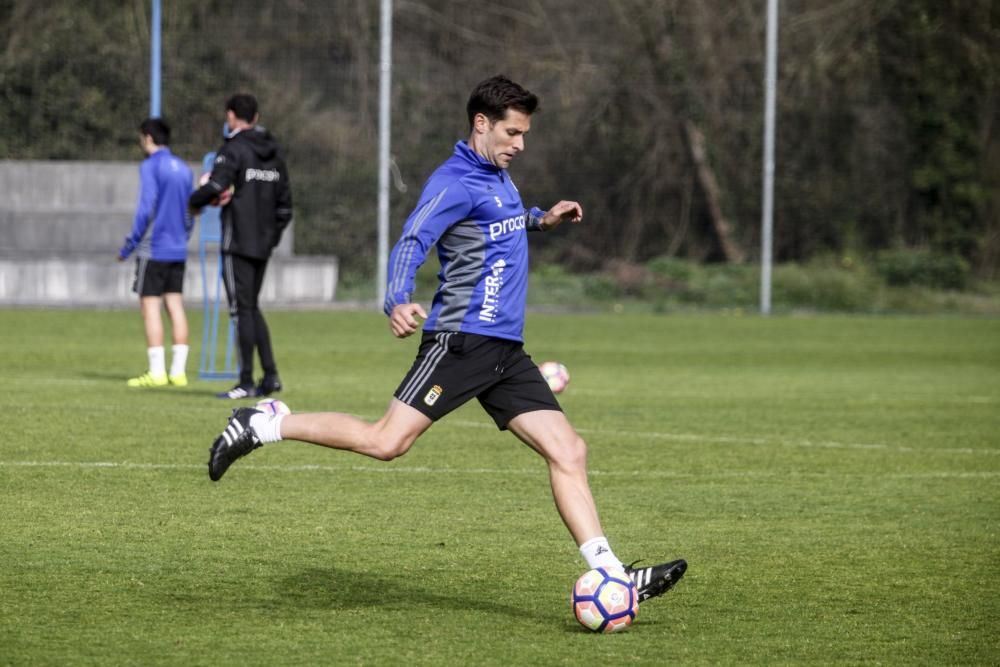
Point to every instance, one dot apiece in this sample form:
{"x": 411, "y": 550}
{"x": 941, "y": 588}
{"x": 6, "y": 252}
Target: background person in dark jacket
{"x": 250, "y": 179}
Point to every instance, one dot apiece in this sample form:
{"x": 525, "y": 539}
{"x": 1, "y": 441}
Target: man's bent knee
{"x": 570, "y": 455}
{"x": 387, "y": 449}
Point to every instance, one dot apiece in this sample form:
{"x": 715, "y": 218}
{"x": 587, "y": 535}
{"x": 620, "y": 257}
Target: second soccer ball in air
{"x": 555, "y": 375}
{"x": 273, "y": 406}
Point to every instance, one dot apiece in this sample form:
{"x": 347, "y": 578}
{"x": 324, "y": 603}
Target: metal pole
{"x": 384, "y": 126}
{"x": 767, "y": 214}
{"x": 154, "y": 62}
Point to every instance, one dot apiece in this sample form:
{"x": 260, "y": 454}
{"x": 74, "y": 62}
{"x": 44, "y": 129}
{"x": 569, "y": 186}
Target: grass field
{"x": 834, "y": 483}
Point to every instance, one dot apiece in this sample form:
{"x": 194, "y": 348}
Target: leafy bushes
{"x": 898, "y": 282}
{"x": 819, "y": 286}
{"x": 923, "y": 267}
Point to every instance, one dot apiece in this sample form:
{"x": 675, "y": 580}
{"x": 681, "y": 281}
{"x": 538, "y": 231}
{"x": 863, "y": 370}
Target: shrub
{"x": 822, "y": 287}
{"x": 602, "y": 287}
{"x": 900, "y": 268}
{"x": 553, "y": 285}
{"x": 672, "y": 268}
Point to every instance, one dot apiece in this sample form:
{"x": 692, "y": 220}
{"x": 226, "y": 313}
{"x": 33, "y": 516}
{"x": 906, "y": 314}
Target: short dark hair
{"x": 243, "y": 105}
{"x": 495, "y": 95}
{"x": 158, "y": 129}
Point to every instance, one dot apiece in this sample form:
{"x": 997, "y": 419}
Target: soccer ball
{"x": 272, "y": 406}
{"x": 555, "y": 375}
{"x": 605, "y": 600}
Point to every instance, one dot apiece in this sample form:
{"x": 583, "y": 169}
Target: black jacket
{"x": 252, "y": 162}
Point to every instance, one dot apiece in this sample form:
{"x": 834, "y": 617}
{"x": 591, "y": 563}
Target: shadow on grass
{"x": 345, "y": 590}
{"x": 338, "y": 589}
{"x": 195, "y": 389}
{"x": 342, "y": 590}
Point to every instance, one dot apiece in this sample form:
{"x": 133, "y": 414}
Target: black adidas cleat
{"x": 268, "y": 386}
{"x": 237, "y": 440}
{"x": 238, "y": 392}
{"x": 654, "y": 581}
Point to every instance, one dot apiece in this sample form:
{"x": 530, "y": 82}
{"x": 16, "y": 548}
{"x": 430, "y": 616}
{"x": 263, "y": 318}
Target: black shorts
{"x": 452, "y": 368}
{"x": 153, "y": 278}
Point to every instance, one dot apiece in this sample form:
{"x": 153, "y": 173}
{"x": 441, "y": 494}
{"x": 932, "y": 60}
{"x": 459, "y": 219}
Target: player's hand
{"x": 564, "y": 210}
{"x": 403, "y": 320}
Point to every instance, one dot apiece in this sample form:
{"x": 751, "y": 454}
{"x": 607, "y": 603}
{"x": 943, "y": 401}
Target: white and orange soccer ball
{"x": 555, "y": 375}
{"x": 273, "y": 406}
{"x": 605, "y": 600}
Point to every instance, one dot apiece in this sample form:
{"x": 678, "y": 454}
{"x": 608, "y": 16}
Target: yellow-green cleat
{"x": 148, "y": 380}
{"x": 180, "y": 380}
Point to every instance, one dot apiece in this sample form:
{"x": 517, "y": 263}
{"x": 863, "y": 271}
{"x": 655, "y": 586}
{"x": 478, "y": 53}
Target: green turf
{"x": 834, "y": 483}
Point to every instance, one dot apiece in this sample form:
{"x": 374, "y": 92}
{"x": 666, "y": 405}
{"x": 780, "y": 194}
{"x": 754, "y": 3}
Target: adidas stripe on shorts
{"x": 155, "y": 278}
{"x": 452, "y": 367}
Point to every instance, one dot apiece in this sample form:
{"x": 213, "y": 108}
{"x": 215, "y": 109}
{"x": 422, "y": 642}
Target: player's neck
{"x": 240, "y": 126}
{"x": 479, "y": 148}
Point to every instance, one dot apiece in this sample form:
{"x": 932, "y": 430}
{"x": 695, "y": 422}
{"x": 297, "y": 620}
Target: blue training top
{"x": 165, "y": 183}
{"x": 470, "y": 208}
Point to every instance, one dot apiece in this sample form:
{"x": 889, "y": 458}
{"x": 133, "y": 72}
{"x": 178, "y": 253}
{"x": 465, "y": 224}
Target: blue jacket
{"x": 472, "y": 211}
{"x": 165, "y": 183}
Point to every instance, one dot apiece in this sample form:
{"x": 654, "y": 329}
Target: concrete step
{"x": 63, "y": 232}
{"x": 80, "y": 186}
{"x": 71, "y": 232}
{"x": 99, "y": 280}
{"x": 62, "y": 224}
{"x": 62, "y": 207}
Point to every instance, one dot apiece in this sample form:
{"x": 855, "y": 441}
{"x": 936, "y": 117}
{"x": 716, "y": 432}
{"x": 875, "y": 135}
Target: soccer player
{"x": 471, "y": 346}
{"x": 251, "y": 163}
{"x": 159, "y": 237}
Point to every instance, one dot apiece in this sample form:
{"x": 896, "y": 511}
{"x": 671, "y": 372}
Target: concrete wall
{"x": 62, "y": 223}
{"x": 103, "y": 281}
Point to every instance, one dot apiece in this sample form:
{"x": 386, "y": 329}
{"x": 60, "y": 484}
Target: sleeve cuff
{"x": 534, "y": 223}
{"x": 393, "y": 300}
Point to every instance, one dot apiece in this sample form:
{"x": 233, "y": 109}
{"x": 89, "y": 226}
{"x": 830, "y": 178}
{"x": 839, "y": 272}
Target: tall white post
{"x": 154, "y": 60}
{"x": 767, "y": 213}
{"x": 384, "y": 129}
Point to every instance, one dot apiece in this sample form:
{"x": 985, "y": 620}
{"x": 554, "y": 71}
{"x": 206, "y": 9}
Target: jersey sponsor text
{"x": 491, "y": 292}
{"x": 507, "y": 226}
{"x": 267, "y": 175}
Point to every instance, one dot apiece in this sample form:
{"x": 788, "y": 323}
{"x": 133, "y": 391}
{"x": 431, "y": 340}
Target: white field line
{"x": 892, "y": 399}
{"x": 705, "y": 439}
{"x": 538, "y": 472}
{"x": 736, "y": 440}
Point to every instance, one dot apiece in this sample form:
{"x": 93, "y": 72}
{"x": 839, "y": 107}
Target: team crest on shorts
{"x": 433, "y": 394}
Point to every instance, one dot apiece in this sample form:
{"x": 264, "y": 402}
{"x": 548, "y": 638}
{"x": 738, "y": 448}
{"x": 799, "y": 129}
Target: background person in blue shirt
{"x": 472, "y": 344}
{"x": 160, "y": 231}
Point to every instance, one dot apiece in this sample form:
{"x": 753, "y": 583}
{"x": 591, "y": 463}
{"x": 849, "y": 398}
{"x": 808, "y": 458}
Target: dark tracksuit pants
{"x": 243, "y": 277}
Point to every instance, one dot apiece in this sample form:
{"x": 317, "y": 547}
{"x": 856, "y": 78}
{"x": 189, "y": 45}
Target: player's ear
{"x": 480, "y": 123}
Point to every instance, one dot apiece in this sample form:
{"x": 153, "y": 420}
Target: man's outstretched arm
{"x": 559, "y": 213}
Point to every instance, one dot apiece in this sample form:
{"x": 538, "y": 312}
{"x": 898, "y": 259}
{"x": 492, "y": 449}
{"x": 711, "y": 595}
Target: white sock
{"x": 597, "y": 553}
{"x": 267, "y": 427}
{"x": 179, "y": 358}
{"x": 157, "y": 364}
